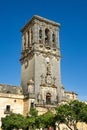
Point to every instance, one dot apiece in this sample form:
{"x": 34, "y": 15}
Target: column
{"x": 30, "y": 37}
{"x": 35, "y": 33}
{"x": 26, "y": 40}
{"x": 22, "y": 42}
{"x": 50, "y": 38}
{"x": 43, "y": 35}
{"x": 57, "y": 38}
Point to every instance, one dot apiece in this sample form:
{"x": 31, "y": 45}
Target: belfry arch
{"x": 47, "y": 36}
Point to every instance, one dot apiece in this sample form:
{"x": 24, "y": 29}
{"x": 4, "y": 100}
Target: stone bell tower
{"x": 40, "y": 61}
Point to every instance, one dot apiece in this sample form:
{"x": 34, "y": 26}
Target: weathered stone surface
{"x": 4, "y": 88}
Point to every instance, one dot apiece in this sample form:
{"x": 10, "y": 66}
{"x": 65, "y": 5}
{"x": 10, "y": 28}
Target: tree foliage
{"x": 33, "y": 112}
{"x": 71, "y": 113}
{"x": 45, "y": 120}
{"x": 13, "y": 121}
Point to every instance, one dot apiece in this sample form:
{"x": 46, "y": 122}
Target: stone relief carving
{"x": 54, "y": 79}
{"x": 47, "y": 79}
{"x": 42, "y": 79}
{"x": 39, "y": 97}
{"x": 48, "y": 69}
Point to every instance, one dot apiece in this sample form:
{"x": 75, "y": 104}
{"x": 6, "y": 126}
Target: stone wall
{"x": 10, "y": 103}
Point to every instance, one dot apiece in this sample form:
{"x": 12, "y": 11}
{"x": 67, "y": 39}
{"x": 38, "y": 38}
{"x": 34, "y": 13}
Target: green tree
{"x": 39, "y": 122}
{"x": 31, "y": 119}
{"x": 30, "y": 123}
{"x": 45, "y": 120}
{"x": 71, "y": 113}
{"x": 13, "y": 121}
{"x": 33, "y": 112}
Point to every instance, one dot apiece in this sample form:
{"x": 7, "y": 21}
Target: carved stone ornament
{"x": 42, "y": 79}
{"x": 48, "y": 69}
{"x": 37, "y": 53}
{"x": 48, "y": 79}
{"x": 26, "y": 64}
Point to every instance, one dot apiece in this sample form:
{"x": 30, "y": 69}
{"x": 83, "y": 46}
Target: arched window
{"x": 31, "y": 36}
{"x": 53, "y": 37}
{"x": 40, "y": 34}
{"x": 25, "y": 41}
{"x": 28, "y": 38}
{"x": 48, "y": 98}
{"x": 53, "y": 40}
{"x": 46, "y": 35}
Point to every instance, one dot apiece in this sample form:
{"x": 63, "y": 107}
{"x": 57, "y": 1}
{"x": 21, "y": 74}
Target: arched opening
{"x": 46, "y": 35}
{"x": 53, "y": 40}
{"x": 31, "y": 36}
{"x": 8, "y": 92}
{"x": 48, "y": 98}
{"x": 25, "y": 41}
{"x": 40, "y": 34}
{"x": 53, "y": 37}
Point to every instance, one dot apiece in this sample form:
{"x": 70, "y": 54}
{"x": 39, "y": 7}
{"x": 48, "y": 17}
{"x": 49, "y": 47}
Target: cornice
{"x": 37, "y": 18}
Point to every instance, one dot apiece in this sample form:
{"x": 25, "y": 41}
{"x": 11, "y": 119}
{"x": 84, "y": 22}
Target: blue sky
{"x": 71, "y": 14}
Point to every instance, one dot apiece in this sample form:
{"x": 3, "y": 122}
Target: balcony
{"x": 7, "y": 112}
{"x": 45, "y": 104}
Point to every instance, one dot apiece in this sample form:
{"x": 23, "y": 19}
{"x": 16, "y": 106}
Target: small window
{"x": 32, "y": 105}
{"x": 8, "y": 108}
{"x": 15, "y": 100}
{"x": 8, "y": 92}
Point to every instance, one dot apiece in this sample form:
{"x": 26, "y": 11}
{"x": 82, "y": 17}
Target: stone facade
{"x": 40, "y": 71}
{"x": 11, "y": 103}
{"x": 40, "y": 61}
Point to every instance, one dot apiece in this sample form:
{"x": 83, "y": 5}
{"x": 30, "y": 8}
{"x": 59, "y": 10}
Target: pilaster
{"x": 43, "y": 35}
{"x": 56, "y": 38}
{"x": 26, "y": 40}
{"x": 35, "y": 33}
{"x": 22, "y": 42}
{"x": 50, "y": 38}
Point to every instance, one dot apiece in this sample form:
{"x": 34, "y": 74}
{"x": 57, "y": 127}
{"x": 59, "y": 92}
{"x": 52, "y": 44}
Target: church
{"x": 40, "y": 85}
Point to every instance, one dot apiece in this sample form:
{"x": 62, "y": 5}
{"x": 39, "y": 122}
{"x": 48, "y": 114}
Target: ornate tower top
{"x": 40, "y": 33}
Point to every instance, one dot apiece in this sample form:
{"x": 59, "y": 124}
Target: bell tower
{"x": 40, "y": 60}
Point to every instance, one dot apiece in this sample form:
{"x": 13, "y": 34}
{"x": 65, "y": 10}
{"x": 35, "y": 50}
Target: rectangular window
{"x": 32, "y": 105}
{"x": 8, "y": 108}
